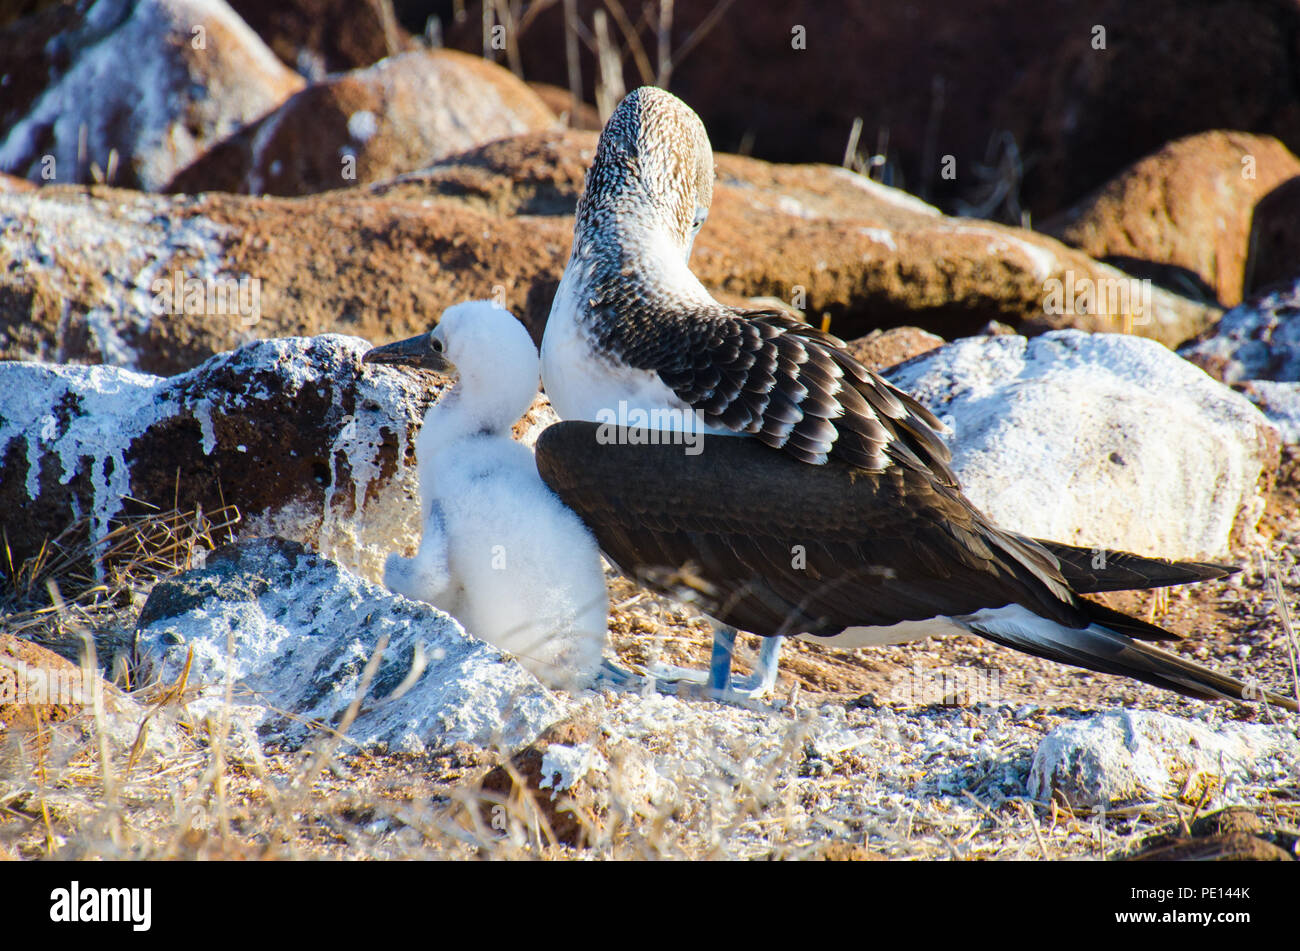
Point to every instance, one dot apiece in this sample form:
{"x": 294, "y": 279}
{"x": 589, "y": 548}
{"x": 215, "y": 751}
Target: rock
{"x": 78, "y": 271}
{"x": 868, "y": 255}
{"x": 1230, "y": 847}
{"x": 1189, "y": 205}
{"x": 851, "y": 852}
{"x": 1280, "y": 402}
{"x": 1235, "y": 819}
{"x": 549, "y": 776}
{"x": 37, "y": 686}
{"x": 154, "y": 81}
{"x": 1256, "y": 348}
{"x": 11, "y": 183}
{"x": 560, "y": 101}
{"x": 886, "y": 348}
{"x": 540, "y": 415}
{"x": 399, "y": 115}
{"x": 253, "y": 614}
{"x": 574, "y": 776}
{"x": 1128, "y": 756}
{"x": 318, "y": 37}
{"x": 1236, "y": 834}
{"x": 1274, "y": 255}
{"x": 1258, "y": 340}
{"x": 1102, "y": 440}
{"x": 872, "y": 256}
{"x": 47, "y": 717}
{"x": 296, "y": 433}
{"x": 91, "y": 277}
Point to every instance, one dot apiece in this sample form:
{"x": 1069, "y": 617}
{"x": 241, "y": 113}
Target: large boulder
{"x": 297, "y": 434}
{"x": 1280, "y": 402}
{"x": 1102, "y": 440}
{"x": 1126, "y": 756}
{"x": 86, "y": 276}
{"x": 397, "y": 116}
{"x": 872, "y": 256}
{"x": 1190, "y": 205}
{"x": 95, "y": 277}
{"x": 291, "y": 633}
{"x": 1258, "y": 340}
{"x": 1256, "y": 348}
{"x": 137, "y": 88}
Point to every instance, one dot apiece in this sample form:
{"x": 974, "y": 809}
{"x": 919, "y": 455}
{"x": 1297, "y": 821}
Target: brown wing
{"x": 767, "y": 375}
{"x": 804, "y": 549}
{"x": 1090, "y": 570}
{"x": 773, "y": 546}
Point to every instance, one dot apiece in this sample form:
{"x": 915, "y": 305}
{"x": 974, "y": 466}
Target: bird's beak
{"x": 415, "y": 351}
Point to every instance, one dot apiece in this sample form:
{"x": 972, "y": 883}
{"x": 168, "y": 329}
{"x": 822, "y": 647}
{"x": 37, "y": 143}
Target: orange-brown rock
{"x": 30, "y": 674}
{"x": 1231, "y": 847}
{"x": 399, "y": 115}
{"x": 80, "y": 272}
{"x": 560, "y": 101}
{"x": 1189, "y": 205}
{"x": 881, "y": 349}
{"x": 11, "y": 183}
{"x": 521, "y": 787}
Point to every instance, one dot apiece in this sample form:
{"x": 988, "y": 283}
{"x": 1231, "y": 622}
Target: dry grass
{"x": 686, "y": 779}
{"x": 71, "y": 586}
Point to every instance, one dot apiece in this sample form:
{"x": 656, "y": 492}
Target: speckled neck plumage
{"x": 652, "y": 173}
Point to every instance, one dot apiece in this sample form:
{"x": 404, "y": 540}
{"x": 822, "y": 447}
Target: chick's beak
{"x": 415, "y": 351}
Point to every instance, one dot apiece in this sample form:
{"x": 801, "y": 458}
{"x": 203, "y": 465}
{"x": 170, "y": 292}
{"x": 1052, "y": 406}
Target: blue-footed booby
{"x": 810, "y": 496}
{"x": 499, "y": 552}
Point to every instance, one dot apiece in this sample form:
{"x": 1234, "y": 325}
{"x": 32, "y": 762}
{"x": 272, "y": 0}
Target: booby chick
{"x": 836, "y": 516}
{"x": 499, "y": 551}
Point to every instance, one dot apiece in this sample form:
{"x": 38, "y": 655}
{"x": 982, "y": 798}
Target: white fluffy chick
{"x": 499, "y": 552}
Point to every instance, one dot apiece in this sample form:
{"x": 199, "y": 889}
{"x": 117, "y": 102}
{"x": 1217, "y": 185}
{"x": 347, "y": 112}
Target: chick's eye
{"x": 437, "y": 345}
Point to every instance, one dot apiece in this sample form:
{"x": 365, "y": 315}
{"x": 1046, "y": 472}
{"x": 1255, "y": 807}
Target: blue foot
{"x": 717, "y": 683}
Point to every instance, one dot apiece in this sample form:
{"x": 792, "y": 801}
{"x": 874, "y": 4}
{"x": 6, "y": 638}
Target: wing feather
{"x": 765, "y": 374}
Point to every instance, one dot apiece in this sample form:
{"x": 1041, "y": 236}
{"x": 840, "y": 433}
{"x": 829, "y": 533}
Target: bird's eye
{"x": 698, "y": 223}
{"x": 437, "y": 345}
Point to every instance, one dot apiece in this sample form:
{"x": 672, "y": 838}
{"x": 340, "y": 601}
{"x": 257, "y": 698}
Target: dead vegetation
{"x": 685, "y": 778}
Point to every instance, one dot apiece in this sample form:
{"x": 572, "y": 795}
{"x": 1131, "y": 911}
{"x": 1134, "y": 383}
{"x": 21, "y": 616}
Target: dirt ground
{"x": 926, "y": 779}
{"x": 1232, "y": 625}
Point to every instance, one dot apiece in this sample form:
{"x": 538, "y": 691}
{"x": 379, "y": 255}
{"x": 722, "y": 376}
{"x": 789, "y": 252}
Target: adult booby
{"x": 841, "y": 555}
{"x": 838, "y": 516}
{"x": 499, "y": 552}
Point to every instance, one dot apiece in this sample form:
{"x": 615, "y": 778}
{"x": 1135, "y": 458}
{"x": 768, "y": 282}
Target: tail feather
{"x": 1093, "y": 570}
{"x": 1099, "y": 648}
{"x": 1125, "y": 623}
